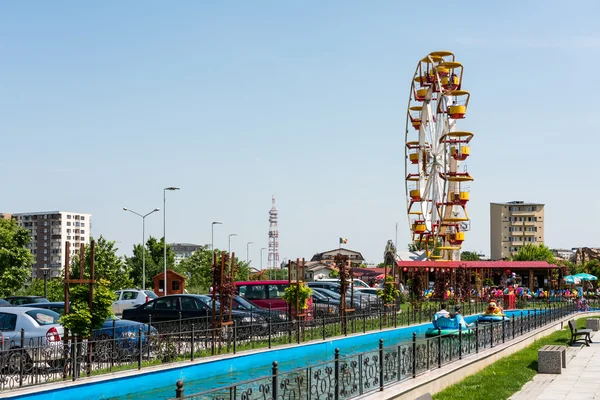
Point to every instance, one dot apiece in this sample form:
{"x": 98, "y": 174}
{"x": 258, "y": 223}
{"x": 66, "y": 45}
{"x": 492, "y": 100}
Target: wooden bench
{"x": 552, "y": 359}
{"x": 579, "y": 334}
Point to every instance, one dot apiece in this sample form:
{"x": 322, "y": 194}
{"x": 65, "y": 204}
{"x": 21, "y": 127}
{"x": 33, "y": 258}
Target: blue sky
{"x": 104, "y": 104}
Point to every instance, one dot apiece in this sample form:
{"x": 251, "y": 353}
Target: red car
{"x": 267, "y": 293}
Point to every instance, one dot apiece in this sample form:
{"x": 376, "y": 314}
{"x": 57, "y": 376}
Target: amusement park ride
{"x": 436, "y": 189}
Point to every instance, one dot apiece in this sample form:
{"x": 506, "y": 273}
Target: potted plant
{"x": 389, "y": 293}
{"x": 297, "y": 293}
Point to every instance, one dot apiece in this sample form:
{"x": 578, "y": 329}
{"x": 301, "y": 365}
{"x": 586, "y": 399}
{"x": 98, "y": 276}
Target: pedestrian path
{"x": 580, "y": 380}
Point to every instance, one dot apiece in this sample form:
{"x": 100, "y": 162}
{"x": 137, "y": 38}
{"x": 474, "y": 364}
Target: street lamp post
{"x": 261, "y": 258}
{"x": 248, "y": 257}
{"x": 170, "y": 188}
{"x": 45, "y": 271}
{"x": 229, "y": 248}
{"x": 212, "y": 240}
{"x": 143, "y": 241}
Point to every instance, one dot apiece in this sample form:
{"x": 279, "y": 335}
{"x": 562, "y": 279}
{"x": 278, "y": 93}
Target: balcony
{"x": 516, "y": 243}
{"x": 530, "y": 233}
{"x": 522, "y": 213}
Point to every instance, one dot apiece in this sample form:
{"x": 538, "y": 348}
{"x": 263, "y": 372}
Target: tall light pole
{"x": 229, "y": 248}
{"x": 248, "y": 257}
{"x": 170, "y": 188}
{"x": 143, "y": 241}
{"x": 261, "y": 258}
{"x": 212, "y": 239}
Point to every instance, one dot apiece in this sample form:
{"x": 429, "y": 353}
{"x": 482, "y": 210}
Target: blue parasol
{"x": 585, "y": 277}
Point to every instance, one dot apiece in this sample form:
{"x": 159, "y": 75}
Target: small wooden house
{"x": 175, "y": 283}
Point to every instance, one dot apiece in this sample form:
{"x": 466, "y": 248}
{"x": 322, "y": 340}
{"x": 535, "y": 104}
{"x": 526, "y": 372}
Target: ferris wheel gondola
{"x": 435, "y": 151}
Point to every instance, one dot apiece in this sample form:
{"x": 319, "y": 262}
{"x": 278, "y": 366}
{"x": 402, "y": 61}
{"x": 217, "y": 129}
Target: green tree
{"x": 198, "y": 268}
{"x": 469, "y": 256}
{"x": 108, "y": 265}
{"x": 81, "y": 320}
{"x": 55, "y": 289}
{"x": 532, "y": 252}
{"x": 15, "y": 259}
{"x": 154, "y": 261}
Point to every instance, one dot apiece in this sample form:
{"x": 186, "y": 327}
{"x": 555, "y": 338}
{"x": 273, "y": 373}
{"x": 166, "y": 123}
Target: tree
{"x": 55, "y": 289}
{"x": 15, "y": 259}
{"x": 198, "y": 269}
{"x": 532, "y": 252}
{"x": 108, "y": 265}
{"x": 154, "y": 261}
{"x": 469, "y": 256}
{"x": 81, "y": 320}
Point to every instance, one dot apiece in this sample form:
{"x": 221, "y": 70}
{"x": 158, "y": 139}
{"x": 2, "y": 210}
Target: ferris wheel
{"x": 436, "y": 176}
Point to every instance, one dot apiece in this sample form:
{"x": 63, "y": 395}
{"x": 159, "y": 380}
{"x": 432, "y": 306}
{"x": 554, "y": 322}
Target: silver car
{"x": 130, "y": 298}
{"x": 35, "y": 330}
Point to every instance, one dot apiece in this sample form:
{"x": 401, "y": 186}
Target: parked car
{"x": 125, "y": 332}
{"x": 4, "y": 303}
{"x": 337, "y": 297}
{"x": 357, "y": 282}
{"x": 20, "y": 300}
{"x": 267, "y": 294}
{"x": 325, "y": 306}
{"x": 241, "y": 304}
{"x": 188, "y": 307}
{"x": 129, "y": 298}
{"x": 42, "y": 338}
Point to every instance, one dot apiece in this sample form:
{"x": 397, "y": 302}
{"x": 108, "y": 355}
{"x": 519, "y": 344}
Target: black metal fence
{"x": 346, "y": 377}
{"x": 33, "y": 361}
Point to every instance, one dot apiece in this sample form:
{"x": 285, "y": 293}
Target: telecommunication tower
{"x": 273, "y": 238}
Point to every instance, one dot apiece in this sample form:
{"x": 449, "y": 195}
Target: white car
{"x": 42, "y": 336}
{"x": 357, "y": 282}
{"x": 129, "y": 298}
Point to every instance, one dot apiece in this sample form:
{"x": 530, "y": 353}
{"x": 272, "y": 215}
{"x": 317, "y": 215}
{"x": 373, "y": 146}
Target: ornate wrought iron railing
{"x": 354, "y": 375}
{"x": 33, "y": 361}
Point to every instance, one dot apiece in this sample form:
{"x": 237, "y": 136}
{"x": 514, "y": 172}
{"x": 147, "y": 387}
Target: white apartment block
{"x": 50, "y": 231}
{"x": 513, "y": 225}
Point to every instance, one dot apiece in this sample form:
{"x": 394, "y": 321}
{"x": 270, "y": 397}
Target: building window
{"x": 83, "y": 224}
{"x": 174, "y": 285}
{"x": 82, "y": 232}
{"x": 82, "y": 218}
{"x": 68, "y": 217}
{"x": 68, "y": 224}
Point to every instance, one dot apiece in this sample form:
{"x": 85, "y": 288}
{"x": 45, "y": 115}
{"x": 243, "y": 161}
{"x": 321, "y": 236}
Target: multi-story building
{"x": 514, "y": 224}
{"x": 5, "y": 216}
{"x": 183, "y": 250}
{"x": 50, "y": 231}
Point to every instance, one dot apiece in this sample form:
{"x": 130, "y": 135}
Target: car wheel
{"x": 13, "y": 362}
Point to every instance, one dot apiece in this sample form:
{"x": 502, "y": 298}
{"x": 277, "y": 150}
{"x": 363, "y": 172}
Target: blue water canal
{"x": 217, "y": 373}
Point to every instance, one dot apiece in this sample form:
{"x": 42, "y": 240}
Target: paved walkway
{"x": 580, "y": 380}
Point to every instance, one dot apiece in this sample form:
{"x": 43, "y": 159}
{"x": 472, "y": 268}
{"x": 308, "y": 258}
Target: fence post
{"x": 364, "y": 323}
{"x": 381, "y": 365}
{"x": 289, "y": 324}
{"x": 22, "y": 358}
{"x": 193, "y": 341}
{"x": 528, "y": 320}
{"x": 337, "y": 374}
{"x": 140, "y": 354}
{"x": 503, "y": 330}
{"x": 323, "y": 325}
{"x": 476, "y": 336}
{"x": 275, "y": 383}
{"x": 439, "y": 354}
{"x": 460, "y": 342}
{"x": 512, "y": 322}
{"x": 114, "y": 341}
{"x": 414, "y": 355}
{"x": 521, "y": 323}
{"x": 179, "y": 392}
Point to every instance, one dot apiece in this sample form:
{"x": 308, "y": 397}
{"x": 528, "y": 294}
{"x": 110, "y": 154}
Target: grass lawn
{"x": 508, "y": 375}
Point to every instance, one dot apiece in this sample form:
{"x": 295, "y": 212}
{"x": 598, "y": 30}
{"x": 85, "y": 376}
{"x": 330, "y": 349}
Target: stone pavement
{"x": 580, "y": 380}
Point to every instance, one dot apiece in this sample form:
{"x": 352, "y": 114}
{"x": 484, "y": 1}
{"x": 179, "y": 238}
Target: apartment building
{"x": 183, "y": 250}
{"x": 514, "y": 224}
{"x": 50, "y": 231}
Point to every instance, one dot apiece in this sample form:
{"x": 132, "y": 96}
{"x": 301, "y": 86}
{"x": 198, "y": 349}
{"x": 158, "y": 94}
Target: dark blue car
{"x": 125, "y": 332}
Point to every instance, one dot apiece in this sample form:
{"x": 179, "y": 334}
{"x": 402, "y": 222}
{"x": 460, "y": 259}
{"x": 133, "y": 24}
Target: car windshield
{"x": 244, "y": 303}
{"x": 320, "y": 296}
{"x": 208, "y": 300}
{"x": 150, "y": 294}
{"x": 44, "y": 317}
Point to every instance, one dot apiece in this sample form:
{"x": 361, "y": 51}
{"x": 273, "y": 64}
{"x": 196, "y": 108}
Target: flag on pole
{"x": 343, "y": 240}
